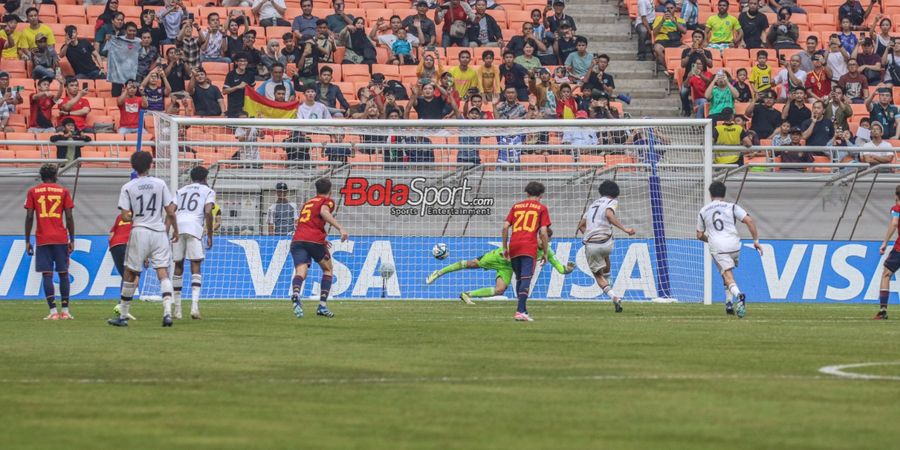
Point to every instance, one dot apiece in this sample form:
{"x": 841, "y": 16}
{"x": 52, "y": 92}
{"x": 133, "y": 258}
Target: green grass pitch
{"x": 441, "y": 375}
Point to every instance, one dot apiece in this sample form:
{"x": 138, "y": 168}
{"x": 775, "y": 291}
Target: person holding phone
{"x": 340, "y": 19}
{"x": 8, "y": 101}
{"x": 171, "y": 17}
{"x": 82, "y": 56}
{"x": 75, "y": 106}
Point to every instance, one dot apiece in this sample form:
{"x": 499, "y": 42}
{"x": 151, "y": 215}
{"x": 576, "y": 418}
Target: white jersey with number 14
{"x": 146, "y": 198}
{"x": 718, "y": 220}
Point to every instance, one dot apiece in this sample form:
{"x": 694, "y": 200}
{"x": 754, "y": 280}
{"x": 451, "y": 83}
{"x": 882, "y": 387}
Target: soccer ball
{"x": 440, "y": 251}
{"x": 117, "y": 310}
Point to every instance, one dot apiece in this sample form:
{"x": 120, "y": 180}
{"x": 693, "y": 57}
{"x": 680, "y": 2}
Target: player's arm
{"x": 173, "y": 220}
{"x": 582, "y": 224}
{"x": 207, "y": 214}
{"x": 504, "y": 239}
{"x": 895, "y": 218}
{"x": 70, "y": 227}
{"x": 330, "y": 220}
{"x": 751, "y": 225}
{"x": 614, "y": 221}
{"x": 565, "y": 270}
{"x": 29, "y": 223}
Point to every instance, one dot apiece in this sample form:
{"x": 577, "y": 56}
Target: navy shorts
{"x": 305, "y": 252}
{"x": 118, "y": 256}
{"x": 892, "y": 262}
{"x": 523, "y": 266}
{"x": 51, "y": 258}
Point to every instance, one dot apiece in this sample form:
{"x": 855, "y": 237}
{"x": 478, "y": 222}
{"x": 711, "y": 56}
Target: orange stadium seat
{"x": 390, "y": 71}
{"x": 823, "y": 22}
{"x": 356, "y": 73}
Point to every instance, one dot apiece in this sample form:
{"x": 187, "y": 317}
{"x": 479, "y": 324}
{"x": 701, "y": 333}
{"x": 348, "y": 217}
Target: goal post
{"x": 403, "y": 186}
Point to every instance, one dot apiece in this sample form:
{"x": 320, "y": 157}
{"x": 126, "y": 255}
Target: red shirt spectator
{"x": 73, "y": 105}
{"x": 698, "y": 85}
{"x": 129, "y": 111}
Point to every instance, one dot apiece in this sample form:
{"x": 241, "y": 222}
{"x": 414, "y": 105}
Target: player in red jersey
{"x": 55, "y": 242}
{"x": 892, "y": 262}
{"x": 118, "y": 239}
{"x": 310, "y": 243}
{"x": 529, "y": 220}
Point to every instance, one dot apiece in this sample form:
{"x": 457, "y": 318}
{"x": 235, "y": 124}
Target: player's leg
{"x": 301, "y": 260}
{"x": 727, "y": 262}
{"x": 597, "y": 256}
{"x": 503, "y": 278}
{"x": 135, "y": 254}
{"x": 459, "y": 265}
{"x": 178, "y": 252}
{"x": 195, "y": 254}
{"x": 324, "y": 261}
{"x": 160, "y": 259}
{"x": 891, "y": 264}
{"x": 523, "y": 267}
{"x": 43, "y": 263}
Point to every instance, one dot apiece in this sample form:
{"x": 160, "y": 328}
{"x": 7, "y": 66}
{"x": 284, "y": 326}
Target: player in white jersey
{"x": 147, "y": 202}
{"x": 195, "y": 204}
{"x": 597, "y": 225}
{"x": 717, "y": 226}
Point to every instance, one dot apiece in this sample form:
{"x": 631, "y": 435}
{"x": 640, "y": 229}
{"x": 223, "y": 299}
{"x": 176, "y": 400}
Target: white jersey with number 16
{"x": 146, "y": 198}
{"x": 191, "y": 201}
{"x": 718, "y": 220}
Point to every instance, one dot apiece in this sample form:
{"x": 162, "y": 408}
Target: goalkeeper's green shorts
{"x": 495, "y": 261}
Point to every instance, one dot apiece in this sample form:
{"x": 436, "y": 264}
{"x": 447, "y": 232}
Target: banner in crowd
{"x": 256, "y": 267}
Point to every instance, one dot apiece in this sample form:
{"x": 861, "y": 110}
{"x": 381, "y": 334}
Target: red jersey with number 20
{"x": 895, "y": 213}
{"x": 49, "y": 201}
{"x": 526, "y": 218}
{"x": 310, "y": 224}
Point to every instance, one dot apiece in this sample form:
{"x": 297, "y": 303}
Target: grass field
{"x": 438, "y": 375}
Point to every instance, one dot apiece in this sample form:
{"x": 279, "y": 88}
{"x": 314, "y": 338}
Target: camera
{"x": 84, "y": 86}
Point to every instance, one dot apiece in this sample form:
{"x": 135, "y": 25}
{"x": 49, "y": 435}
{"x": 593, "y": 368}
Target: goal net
{"x": 402, "y": 187}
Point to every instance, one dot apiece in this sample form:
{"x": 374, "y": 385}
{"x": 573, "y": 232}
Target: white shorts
{"x": 596, "y": 255}
{"x": 188, "y": 248}
{"x": 726, "y": 261}
{"x": 146, "y": 244}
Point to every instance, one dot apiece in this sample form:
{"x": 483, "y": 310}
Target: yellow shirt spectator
{"x": 12, "y": 52}
{"x": 761, "y": 78}
{"x": 489, "y": 79}
{"x": 26, "y": 40}
{"x": 668, "y": 26}
{"x": 721, "y": 30}
{"x": 463, "y": 80}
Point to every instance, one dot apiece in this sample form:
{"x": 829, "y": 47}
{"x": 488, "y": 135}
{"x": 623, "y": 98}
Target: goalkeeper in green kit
{"x": 494, "y": 260}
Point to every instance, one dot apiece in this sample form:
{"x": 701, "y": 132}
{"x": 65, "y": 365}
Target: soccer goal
{"x": 403, "y": 187}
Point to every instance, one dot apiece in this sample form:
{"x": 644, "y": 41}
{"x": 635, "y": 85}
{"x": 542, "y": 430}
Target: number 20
{"x": 525, "y": 221}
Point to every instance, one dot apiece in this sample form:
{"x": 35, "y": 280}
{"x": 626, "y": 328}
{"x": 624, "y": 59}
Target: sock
{"x": 608, "y": 290}
{"x": 127, "y": 294}
{"x": 522, "y": 289}
{"x": 324, "y": 289}
{"x": 728, "y": 296}
{"x": 459, "y": 265}
{"x": 165, "y": 285}
{"x": 49, "y": 290}
{"x": 296, "y": 285}
{"x": 64, "y": 290}
{"x": 483, "y": 292}
{"x": 196, "y": 283}
{"x": 177, "y": 283}
{"x": 883, "y": 296}
{"x": 733, "y": 288}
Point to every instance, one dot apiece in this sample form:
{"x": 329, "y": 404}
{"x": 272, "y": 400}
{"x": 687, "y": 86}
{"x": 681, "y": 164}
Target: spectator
{"x": 254, "y": 56}
{"x": 837, "y": 109}
{"x": 720, "y": 95}
{"x": 454, "y": 17}
{"x": 41, "y": 105}
{"x": 477, "y": 101}
{"x": 795, "y": 157}
{"x": 842, "y": 139}
{"x": 808, "y": 55}
{"x": 465, "y": 77}
{"x": 667, "y": 31}
{"x": 863, "y": 133}
{"x": 129, "y": 108}
{"x": 509, "y": 108}
{"x": 8, "y": 101}
{"x": 107, "y": 32}
{"x": 761, "y": 73}
{"x": 271, "y": 56}
{"x": 698, "y": 81}
{"x": 123, "y": 58}
{"x": 304, "y": 25}
{"x": 542, "y": 33}
{"x": 565, "y": 44}
{"x": 778, "y": 5}
{"x": 290, "y": 54}
{"x": 148, "y": 55}
{"x": 877, "y": 157}
{"x": 340, "y": 19}
{"x": 308, "y": 66}
{"x": 445, "y": 87}
{"x": 27, "y": 40}
{"x": 818, "y": 82}
{"x": 180, "y": 104}
{"x": 283, "y": 214}
{"x": 69, "y": 132}
{"x": 401, "y": 50}
{"x": 796, "y": 112}
{"x": 783, "y": 34}
{"x": 646, "y": 15}
{"x": 235, "y": 82}
{"x": 208, "y": 101}
{"x": 766, "y": 119}
{"x": 329, "y": 94}
{"x": 891, "y": 64}
{"x": 869, "y": 63}
{"x": 836, "y": 58}
{"x": 155, "y": 89}
{"x": 847, "y": 36}
{"x": 690, "y": 12}
{"x": 270, "y": 13}
{"x": 817, "y": 130}
{"x": 744, "y": 90}
{"x": 325, "y": 41}
{"x": 578, "y": 63}
{"x": 420, "y": 21}
{"x": 517, "y": 43}
{"x": 565, "y": 104}
{"x": 884, "y": 112}
{"x": 514, "y": 75}
{"x": 213, "y": 45}
{"x": 310, "y": 108}
{"x": 855, "y": 85}
{"x": 598, "y": 78}
{"x": 469, "y": 154}
{"x": 428, "y": 106}
{"x": 689, "y": 57}
{"x": 267, "y": 88}
{"x": 601, "y": 109}
{"x": 483, "y": 30}
{"x": 754, "y": 24}
{"x": 171, "y": 17}
{"x": 488, "y": 76}
{"x": 157, "y": 34}
{"x": 234, "y": 41}
{"x": 581, "y": 137}
{"x": 782, "y": 136}
{"x": 109, "y": 11}
{"x": 554, "y": 23}
{"x": 852, "y": 10}
{"x": 360, "y": 47}
{"x": 73, "y": 105}
{"x": 729, "y": 133}
{"x": 789, "y": 77}
{"x": 44, "y": 60}
{"x": 527, "y": 59}
{"x": 189, "y": 43}
{"x": 248, "y": 135}
{"x": 429, "y": 68}
{"x": 882, "y": 34}
{"x": 82, "y": 56}
{"x": 11, "y": 37}
{"x": 724, "y": 29}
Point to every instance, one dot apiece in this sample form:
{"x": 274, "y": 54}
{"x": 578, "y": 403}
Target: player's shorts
{"x": 892, "y": 262}
{"x": 51, "y": 258}
{"x": 303, "y": 252}
{"x": 496, "y": 262}
{"x": 523, "y": 267}
{"x": 596, "y": 254}
{"x": 188, "y": 248}
{"x": 727, "y": 260}
{"x": 118, "y": 255}
{"x": 146, "y": 244}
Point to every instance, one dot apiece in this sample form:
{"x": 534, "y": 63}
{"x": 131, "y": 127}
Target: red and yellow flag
{"x": 257, "y": 105}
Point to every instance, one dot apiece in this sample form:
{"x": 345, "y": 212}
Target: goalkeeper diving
{"x": 494, "y": 260}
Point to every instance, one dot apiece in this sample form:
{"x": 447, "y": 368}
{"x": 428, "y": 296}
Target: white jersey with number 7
{"x": 146, "y": 198}
{"x": 718, "y": 220}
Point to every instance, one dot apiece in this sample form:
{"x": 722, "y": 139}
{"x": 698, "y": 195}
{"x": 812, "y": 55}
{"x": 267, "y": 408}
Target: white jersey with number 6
{"x": 718, "y": 220}
{"x": 191, "y": 201}
{"x": 597, "y": 226}
{"x": 146, "y": 198}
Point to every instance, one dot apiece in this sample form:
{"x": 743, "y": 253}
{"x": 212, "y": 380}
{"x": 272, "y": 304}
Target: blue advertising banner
{"x": 256, "y": 267}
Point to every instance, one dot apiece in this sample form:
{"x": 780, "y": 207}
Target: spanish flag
{"x": 257, "y": 105}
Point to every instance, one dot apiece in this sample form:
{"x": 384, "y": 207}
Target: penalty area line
{"x": 841, "y": 371}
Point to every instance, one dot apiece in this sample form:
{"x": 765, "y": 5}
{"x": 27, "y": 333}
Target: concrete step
{"x": 603, "y": 29}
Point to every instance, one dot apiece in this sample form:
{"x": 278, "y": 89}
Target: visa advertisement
{"x": 260, "y": 267}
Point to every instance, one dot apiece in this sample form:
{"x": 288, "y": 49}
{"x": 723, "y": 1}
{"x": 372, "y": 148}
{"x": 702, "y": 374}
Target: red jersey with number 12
{"x": 310, "y": 224}
{"x": 526, "y": 218}
{"x": 49, "y": 201}
{"x": 895, "y": 212}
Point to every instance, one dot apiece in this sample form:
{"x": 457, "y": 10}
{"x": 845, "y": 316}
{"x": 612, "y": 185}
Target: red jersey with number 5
{"x": 49, "y": 202}
{"x": 526, "y": 218}
{"x": 895, "y": 212}
{"x": 310, "y": 224}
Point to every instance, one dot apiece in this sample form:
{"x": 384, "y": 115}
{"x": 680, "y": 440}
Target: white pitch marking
{"x": 839, "y": 371}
